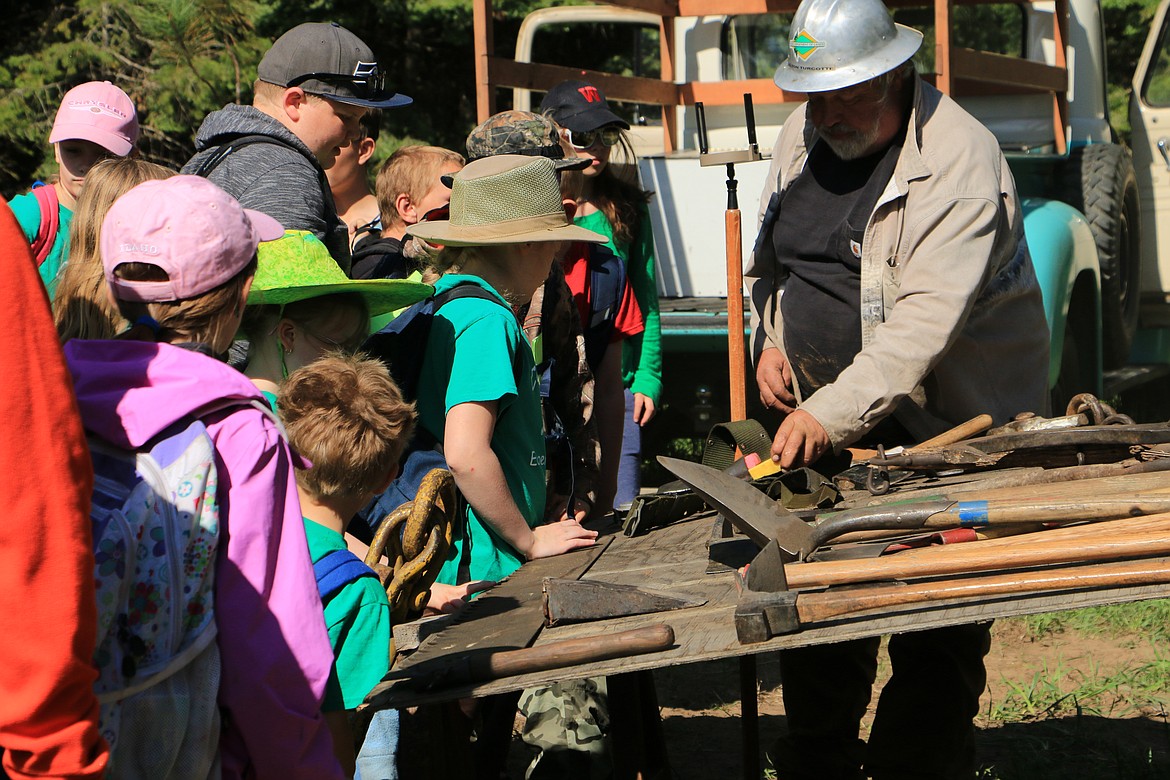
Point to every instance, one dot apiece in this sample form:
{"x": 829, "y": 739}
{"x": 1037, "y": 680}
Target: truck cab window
{"x": 622, "y": 48}
{"x": 999, "y": 28}
{"x": 1156, "y": 90}
{"x": 754, "y": 45}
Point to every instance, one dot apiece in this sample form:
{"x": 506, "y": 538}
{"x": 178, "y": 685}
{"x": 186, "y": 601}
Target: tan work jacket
{"x": 952, "y": 322}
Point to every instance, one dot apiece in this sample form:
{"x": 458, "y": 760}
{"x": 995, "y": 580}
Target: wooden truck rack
{"x": 958, "y": 70}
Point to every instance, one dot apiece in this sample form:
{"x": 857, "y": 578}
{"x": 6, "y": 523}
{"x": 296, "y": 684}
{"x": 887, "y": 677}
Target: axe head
{"x": 751, "y": 512}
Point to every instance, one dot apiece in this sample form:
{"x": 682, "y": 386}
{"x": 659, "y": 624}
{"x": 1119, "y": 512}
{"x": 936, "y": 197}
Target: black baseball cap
{"x": 580, "y": 107}
{"x": 325, "y": 59}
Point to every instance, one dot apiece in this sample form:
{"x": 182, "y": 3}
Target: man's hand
{"x": 774, "y": 378}
{"x": 800, "y": 440}
{"x": 644, "y": 410}
{"x": 556, "y": 538}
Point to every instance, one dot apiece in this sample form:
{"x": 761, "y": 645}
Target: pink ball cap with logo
{"x": 97, "y": 111}
{"x": 190, "y": 228}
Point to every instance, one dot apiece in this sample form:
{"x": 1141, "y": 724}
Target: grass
{"x": 1085, "y": 721}
{"x": 1148, "y": 620}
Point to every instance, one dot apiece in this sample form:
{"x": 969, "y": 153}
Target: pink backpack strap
{"x": 50, "y": 221}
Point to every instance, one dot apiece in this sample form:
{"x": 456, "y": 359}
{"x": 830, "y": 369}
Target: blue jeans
{"x": 629, "y": 480}
{"x": 378, "y": 758}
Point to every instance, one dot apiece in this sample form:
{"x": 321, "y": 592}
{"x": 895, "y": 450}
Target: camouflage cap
{"x": 520, "y": 132}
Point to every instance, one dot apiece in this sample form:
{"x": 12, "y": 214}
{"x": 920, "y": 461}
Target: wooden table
{"x": 675, "y": 558}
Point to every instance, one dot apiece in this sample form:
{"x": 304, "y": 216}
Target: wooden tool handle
{"x": 977, "y": 514}
{"x": 571, "y": 652}
{"x": 1118, "y": 539}
{"x": 737, "y": 374}
{"x": 819, "y": 607}
{"x": 957, "y": 434}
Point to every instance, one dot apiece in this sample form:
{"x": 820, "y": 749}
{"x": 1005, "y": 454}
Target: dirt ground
{"x": 700, "y": 709}
{"x": 701, "y": 724}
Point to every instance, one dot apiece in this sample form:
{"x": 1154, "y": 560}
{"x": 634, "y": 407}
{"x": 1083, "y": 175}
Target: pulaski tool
{"x": 763, "y": 520}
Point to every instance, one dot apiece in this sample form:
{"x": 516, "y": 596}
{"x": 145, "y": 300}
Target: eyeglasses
{"x": 608, "y": 136}
{"x": 367, "y": 86}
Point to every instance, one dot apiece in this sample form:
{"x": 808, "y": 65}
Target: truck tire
{"x": 1101, "y": 183}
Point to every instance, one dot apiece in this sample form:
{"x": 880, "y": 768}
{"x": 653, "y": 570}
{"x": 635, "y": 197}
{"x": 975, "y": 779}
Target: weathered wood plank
{"x": 708, "y": 632}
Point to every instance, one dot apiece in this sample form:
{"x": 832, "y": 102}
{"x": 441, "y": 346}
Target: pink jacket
{"x": 272, "y": 639}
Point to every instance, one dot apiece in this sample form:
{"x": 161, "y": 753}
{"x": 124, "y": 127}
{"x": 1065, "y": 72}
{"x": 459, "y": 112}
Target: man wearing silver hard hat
{"x": 892, "y": 298}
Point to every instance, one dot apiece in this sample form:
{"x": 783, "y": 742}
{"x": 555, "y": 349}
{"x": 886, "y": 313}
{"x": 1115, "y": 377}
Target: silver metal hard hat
{"x": 834, "y": 44}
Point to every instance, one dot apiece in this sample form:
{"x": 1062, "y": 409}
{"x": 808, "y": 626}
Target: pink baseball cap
{"x": 190, "y": 228}
{"x": 97, "y": 111}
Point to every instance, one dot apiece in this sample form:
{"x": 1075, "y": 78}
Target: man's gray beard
{"x": 855, "y": 146}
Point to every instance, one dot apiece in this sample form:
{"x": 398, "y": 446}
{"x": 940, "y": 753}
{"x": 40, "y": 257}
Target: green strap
{"x": 802, "y": 488}
{"x": 747, "y": 435}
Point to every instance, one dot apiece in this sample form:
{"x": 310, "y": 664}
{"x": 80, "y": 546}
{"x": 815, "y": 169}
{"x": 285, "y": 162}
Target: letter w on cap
{"x": 590, "y": 94}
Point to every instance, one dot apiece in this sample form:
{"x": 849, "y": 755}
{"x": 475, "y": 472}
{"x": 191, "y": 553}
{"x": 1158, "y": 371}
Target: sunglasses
{"x": 607, "y": 136}
{"x": 368, "y": 86}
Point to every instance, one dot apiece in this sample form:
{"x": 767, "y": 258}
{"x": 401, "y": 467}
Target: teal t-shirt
{"x": 641, "y": 354}
{"x": 358, "y": 619}
{"x": 28, "y": 214}
{"x": 477, "y": 353}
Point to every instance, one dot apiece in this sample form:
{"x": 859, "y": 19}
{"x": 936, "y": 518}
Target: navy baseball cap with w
{"x": 579, "y": 106}
{"x": 328, "y": 60}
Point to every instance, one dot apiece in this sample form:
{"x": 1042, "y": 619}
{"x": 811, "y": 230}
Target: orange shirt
{"x": 48, "y": 611}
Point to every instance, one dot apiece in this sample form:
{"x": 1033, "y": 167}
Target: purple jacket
{"x": 272, "y": 639}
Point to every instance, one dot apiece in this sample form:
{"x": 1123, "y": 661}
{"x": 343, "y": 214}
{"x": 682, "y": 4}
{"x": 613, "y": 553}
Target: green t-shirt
{"x": 358, "y": 620}
{"x": 641, "y": 354}
{"x": 28, "y": 214}
{"x": 477, "y": 353}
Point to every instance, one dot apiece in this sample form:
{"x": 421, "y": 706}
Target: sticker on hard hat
{"x": 804, "y": 45}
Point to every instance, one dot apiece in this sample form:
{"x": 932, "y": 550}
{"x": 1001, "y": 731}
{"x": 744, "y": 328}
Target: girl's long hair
{"x": 81, "y": 307}
{"x": 617, "y": 193}
{"x": 203, "y": 319}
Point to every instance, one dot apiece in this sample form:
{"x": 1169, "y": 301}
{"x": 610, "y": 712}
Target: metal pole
{"x": 749, "y": 717}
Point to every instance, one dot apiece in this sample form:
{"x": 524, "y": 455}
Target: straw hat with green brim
{"x": 298, "y": 267}
{"x": 506, "y": 199}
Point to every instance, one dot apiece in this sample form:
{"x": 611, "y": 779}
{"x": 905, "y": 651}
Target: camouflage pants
{"x": 568, "y": 723}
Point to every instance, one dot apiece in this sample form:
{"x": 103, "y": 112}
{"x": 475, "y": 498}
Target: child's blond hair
{"x": 412, "y": 170}
{"x": 346, "y": 415}
{"x": 81, "y": 307}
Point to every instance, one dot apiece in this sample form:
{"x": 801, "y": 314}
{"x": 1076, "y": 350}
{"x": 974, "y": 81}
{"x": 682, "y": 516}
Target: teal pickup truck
{"x": 1034, "y": 73}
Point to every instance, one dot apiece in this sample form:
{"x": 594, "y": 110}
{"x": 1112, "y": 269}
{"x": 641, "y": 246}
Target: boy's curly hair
{"x": 346, "y": 415}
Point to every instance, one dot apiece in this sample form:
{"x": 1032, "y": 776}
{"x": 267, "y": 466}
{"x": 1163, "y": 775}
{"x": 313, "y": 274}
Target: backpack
{"x": 42, "y": 245}
{"x": 402, "y": 345}
{"x": 155, "y": 521}
{"x": 607, "y": 282}
{"x": 379, "y": 258}
{"x": 336, "y": 569}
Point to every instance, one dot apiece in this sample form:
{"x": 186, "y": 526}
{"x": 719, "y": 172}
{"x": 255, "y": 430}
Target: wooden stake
{"x": 735, "y": 343}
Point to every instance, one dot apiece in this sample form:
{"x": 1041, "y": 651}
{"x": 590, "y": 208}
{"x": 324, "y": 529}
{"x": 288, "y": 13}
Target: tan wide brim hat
{"x": 506, "y": 199}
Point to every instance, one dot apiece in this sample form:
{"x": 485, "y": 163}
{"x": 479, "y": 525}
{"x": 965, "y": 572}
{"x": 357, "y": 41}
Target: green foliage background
{"x": 180, "y": 59}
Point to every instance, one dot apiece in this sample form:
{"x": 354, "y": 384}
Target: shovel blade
{"x": 751, "y": 512}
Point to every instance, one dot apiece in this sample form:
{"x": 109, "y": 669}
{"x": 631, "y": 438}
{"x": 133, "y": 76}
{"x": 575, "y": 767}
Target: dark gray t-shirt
{"x": 818, "y": 238}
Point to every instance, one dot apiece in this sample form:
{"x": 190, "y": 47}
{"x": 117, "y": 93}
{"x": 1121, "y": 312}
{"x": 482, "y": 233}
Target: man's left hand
{"x": 800, "y": 440}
